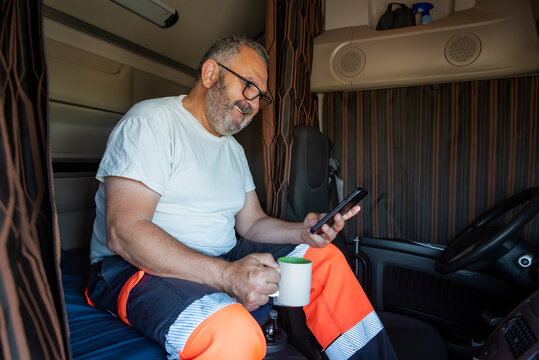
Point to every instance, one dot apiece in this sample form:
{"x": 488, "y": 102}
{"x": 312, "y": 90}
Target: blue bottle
{"x": 424, "y": 9}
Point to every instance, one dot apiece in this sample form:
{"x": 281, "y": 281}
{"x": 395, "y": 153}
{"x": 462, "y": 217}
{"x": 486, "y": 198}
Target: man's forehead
{"x": 250, "y": 65}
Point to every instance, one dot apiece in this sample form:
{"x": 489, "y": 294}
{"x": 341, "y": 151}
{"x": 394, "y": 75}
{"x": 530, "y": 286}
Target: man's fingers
{"x": 265, "y": 259}
{"x": 252, "y": 306}
{"x": 352, "y": 212}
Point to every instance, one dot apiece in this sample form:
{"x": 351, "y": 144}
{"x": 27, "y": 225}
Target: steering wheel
{"x": 478, "y": 241}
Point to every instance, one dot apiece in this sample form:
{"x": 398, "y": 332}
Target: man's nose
{"x": 255, "y": 103}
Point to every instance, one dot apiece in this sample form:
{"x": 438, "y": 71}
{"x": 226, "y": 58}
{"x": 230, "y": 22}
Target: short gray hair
{"x": 225, "y": 49}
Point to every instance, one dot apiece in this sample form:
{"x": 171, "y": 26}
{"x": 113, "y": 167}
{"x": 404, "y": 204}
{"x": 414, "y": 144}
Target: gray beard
{"x": 220, "y": 108}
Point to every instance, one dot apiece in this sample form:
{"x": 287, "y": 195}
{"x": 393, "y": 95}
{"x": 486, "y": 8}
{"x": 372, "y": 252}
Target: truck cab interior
{"x": 434, "y": 109}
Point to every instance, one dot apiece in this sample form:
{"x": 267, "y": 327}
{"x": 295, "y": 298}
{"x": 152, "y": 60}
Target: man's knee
{"x": 329, "y": 254}
{"x": 230, "y": 333}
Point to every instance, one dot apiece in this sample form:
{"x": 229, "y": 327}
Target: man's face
{"x": 228, "y": 110}
{"x": 227, "y": 117}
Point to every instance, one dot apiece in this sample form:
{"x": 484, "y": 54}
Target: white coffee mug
{"x": 295, "y": 282}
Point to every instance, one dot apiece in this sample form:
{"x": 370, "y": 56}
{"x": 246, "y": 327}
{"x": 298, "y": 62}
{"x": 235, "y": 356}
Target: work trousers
{"x": 195, "y": 321}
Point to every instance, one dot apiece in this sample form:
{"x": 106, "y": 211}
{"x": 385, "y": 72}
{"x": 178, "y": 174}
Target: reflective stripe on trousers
{"x": 339, "y": 314}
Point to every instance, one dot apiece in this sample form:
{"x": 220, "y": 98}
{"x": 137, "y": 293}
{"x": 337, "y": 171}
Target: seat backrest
{"x": 309, "y": 185}
{"x": 308, "y": 191}
{"x": 309, "y": 174}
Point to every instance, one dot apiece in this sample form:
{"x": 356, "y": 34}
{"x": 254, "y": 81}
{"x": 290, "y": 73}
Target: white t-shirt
{"x": 202, "y": 178}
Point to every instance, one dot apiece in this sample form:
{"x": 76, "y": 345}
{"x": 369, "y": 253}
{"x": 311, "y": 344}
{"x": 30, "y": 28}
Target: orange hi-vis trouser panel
{"x": 124, "y": 295}
{"x": 337, "y": 302}
{"x": 231, "y": 331}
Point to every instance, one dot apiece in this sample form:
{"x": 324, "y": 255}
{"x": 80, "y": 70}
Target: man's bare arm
{"x": 253, "y": 224}
{"x": 130, "y": 206}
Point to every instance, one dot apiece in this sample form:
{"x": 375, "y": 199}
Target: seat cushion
{"x": 413, "y": 339}
{"x": 95, "y": 334}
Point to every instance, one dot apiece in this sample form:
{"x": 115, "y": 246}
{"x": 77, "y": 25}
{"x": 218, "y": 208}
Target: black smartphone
{"x": 344, "y": 206}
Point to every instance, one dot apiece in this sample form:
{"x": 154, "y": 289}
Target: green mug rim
{"x": 293, "y": 260}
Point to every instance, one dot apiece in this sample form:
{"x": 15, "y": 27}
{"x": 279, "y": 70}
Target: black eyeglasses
{"x": 251, "y": 91}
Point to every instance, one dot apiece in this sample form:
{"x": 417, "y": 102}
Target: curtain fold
{"x": 434, "y": 158}
{"x": 291, "y": 26}
{"x": 32, "y": 321}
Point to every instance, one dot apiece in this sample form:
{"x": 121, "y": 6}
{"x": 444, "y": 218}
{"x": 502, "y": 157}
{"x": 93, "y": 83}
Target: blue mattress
{"x": 94, "y": 333}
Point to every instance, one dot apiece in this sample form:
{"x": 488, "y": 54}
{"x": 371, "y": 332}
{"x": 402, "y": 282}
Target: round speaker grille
{"x": 462, "y": 49}
{"x": 349, "y": 61}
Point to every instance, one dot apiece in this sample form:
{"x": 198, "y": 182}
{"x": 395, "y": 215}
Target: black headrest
{"x": 309, "y": 174}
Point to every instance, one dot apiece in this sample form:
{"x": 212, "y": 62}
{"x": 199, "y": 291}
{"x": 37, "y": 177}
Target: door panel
{"x": 399, "y": 276}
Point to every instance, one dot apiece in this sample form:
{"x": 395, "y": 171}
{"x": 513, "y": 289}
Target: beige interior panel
{"x": 495, "y": 38}
{"x": 148, "y": 86}
{"x": 75, "y": 204}
{"x": 78, "y": 132}
{"x": 79, "y": 84}
{"x": 441, "y": 10}
{"x": 67, "y": 199}
{"x": 76, "y": 228}
{"x": 61, "y": 51}
{"x": 347, "y": 13}
{"x": 90, "y": 44}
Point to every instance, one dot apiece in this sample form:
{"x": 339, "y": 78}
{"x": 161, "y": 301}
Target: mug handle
{"x": 275, "y": 294}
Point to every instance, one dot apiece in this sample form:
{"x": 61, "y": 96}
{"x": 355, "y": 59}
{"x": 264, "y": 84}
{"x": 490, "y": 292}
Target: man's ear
{"x": 209, "y": 73}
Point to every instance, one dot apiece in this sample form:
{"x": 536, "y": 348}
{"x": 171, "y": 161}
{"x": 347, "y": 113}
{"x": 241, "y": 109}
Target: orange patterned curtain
{"x": 32, "y": 324}
{"x": 291, "y": 26}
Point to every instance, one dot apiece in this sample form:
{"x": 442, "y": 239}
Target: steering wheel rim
{"x": 452, "y": 258}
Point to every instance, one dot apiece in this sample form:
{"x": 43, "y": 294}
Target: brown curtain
{"x": 435, "y": 158}
{"x": 291, "y": 26}
{"x": 32, "y": 324}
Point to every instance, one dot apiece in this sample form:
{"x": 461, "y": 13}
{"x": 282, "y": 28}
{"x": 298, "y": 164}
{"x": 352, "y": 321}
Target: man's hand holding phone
{"x": 321, "y": 230}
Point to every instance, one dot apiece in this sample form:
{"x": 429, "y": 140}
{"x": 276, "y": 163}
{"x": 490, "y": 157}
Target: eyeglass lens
{"x": 251, "y": 92}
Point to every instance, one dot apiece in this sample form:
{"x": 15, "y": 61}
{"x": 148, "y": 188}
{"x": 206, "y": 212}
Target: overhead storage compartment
{"x": 495, "y": 38}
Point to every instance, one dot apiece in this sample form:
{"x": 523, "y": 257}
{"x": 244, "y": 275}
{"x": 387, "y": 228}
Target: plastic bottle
{"x": 272, "y": 332}
{"x": 424, "y": 9}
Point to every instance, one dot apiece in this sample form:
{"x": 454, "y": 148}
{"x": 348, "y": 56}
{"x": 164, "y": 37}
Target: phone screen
{"x": 344, "y": 206}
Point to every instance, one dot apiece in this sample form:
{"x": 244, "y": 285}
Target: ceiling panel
{"x": 200, "y": 24}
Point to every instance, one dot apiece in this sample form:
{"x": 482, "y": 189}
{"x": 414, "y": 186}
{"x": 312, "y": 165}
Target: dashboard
{"x": 517, "y": 336}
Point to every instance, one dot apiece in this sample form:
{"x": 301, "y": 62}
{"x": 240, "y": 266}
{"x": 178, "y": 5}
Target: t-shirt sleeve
{"x": 139, "y": 149}
{"x": 248, "y": 177}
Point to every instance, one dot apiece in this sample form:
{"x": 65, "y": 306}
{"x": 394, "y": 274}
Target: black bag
{"x": 401, "y": 16}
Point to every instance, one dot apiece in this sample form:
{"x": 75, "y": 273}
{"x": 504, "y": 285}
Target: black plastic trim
{"x": 404, "y": 246}
{"x": 75, "y": 166}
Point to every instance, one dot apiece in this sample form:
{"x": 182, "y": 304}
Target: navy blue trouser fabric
{"x": 155, "y": 302}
